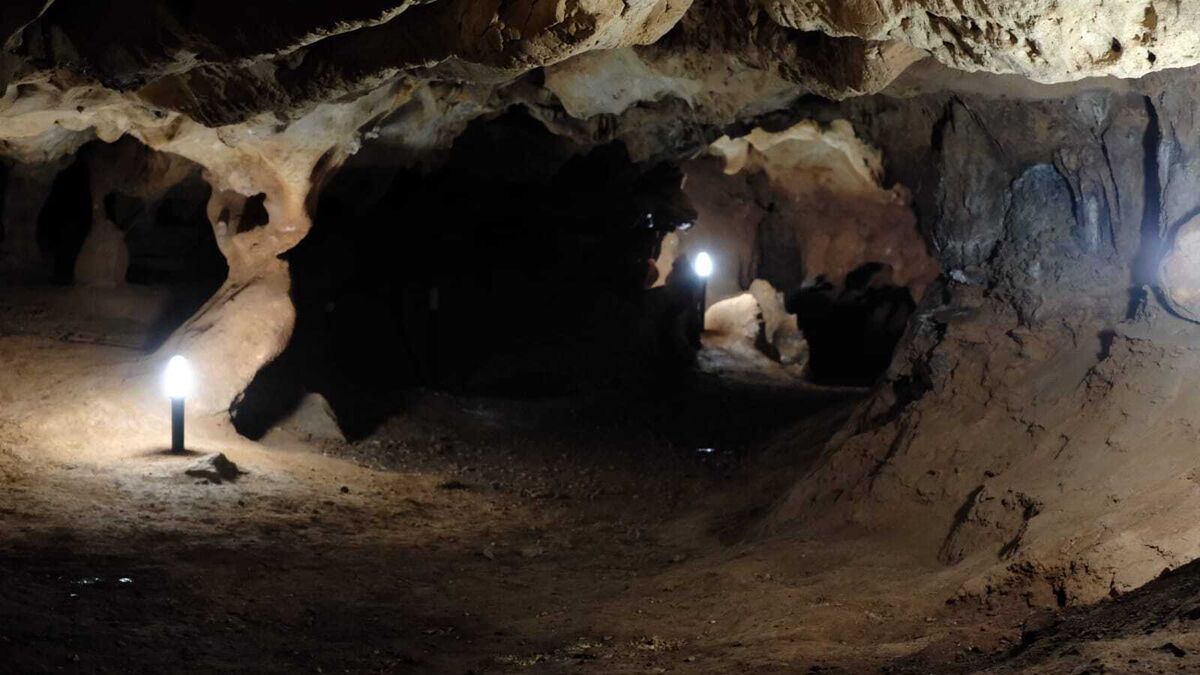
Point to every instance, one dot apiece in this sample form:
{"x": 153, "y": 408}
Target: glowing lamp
{"x": 703, "y": 265}
{"x": 178, "y": 381}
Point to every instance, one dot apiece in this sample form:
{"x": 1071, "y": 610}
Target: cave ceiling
{"x": 160, "y": 69}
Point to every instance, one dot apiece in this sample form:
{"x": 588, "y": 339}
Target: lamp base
{"x": 176, "y": 425}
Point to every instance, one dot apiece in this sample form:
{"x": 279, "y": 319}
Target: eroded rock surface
{"x": 1045, "y": 41}
{"x": 829, "y": 206}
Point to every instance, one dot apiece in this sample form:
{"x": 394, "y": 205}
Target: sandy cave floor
{"x": 582, "y": 533}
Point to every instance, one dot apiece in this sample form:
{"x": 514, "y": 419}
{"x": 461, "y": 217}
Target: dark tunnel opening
{"x": 254, "y": 213}
{"x": 852, "y": 330}
{"x": 122, "y": 231}
{"x": 480, "y": 276}
{"x": 64, "y": 221}
{"x": 172, "y": 247}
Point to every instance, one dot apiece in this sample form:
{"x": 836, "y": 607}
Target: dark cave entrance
{"x": 123, "y": 231}
{"x": 852, "y": 329}
{"x": 516, "y": 268}
{"x": 172, "y": 246}
{"x": 65, "y": 219}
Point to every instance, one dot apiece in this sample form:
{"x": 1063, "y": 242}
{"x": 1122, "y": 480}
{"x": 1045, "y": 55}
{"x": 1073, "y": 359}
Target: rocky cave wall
{"x": 803, "y": 203}
{"x": 1035, "y": 423}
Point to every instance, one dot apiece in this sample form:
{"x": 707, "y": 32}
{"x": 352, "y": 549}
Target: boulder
{"x": 215, "y": 468}
{"x": 314, "y": 418}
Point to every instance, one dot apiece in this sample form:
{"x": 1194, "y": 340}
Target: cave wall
{"x": 962, "y": 157}
{"x": 1043, "y": 383}
{"x": 803, "y": 203}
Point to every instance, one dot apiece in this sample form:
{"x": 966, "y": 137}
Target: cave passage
{"x": 121, "y": 231}
{"x": 540, "y": 278}
{"x": 488, "y": 274}
{"x": 481, "y": 275}
{"x": 852, "y": 333}
{"x": 699, "y": 337}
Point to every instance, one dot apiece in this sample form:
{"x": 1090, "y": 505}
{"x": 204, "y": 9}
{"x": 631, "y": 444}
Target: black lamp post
{"x": 702, "y": 265}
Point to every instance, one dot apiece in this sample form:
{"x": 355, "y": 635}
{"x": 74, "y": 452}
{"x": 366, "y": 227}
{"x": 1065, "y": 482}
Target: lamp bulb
{"x": 178, "y": 379}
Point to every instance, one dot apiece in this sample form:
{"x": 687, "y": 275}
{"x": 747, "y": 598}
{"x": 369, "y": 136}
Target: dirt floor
{"x": 598, "y": 531}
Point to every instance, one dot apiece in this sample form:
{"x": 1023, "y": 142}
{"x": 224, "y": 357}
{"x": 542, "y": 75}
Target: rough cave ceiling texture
{"x": 281, "y": 58}
{"x": 1045, "y": 40}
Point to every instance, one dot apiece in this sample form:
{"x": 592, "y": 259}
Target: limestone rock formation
{"x": 779, "y": 326}
{"x": 313, "y": 418}
{"x": 1044, "y": 41}
{"x": 830, "y": 205}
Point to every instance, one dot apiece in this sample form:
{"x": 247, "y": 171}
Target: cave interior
{"x": 646, "y": 336}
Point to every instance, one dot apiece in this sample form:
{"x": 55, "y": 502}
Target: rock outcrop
{"x": 1044, "y": 41}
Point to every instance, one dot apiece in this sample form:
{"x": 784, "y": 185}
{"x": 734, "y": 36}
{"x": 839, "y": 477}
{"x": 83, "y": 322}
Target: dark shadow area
{"x": 852, "y": 332}
{"x": 254, "y": 214}
{"x": 65, "y": 219}
{"x": 171, "y": 244}
{"x": 109, "y": 596}
{"x": 516, "y": 268}
{"x": 170, "y": 241}
{"x": 1150, "y": 246}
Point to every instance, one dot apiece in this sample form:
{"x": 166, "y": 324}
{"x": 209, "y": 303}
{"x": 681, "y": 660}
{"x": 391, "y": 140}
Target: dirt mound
{"x": 1153, "y": 629}
{"x": 1057, "y": 464}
